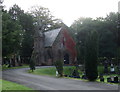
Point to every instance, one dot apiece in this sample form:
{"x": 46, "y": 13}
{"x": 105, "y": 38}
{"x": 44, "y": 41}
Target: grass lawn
{"x": 51, "y": 71}
{"x": 44, "y": 71}
{"x": 7, "y": 85}
{"x": 101, "y": 69}
{"x": 5, "y": 67}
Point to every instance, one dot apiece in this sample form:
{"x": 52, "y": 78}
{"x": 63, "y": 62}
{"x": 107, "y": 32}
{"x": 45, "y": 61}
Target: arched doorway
{"x": 66, "y": 58}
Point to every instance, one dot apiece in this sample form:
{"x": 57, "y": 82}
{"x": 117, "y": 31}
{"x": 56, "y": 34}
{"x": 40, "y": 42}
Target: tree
{"x": 27, "y": 41}
{"x": 43, "y": 20}
{"x": 15, "y": 12}
{"x": 26, "y": 22}
{"x": 107, "y": 46}
{"x": 32, "y": 62}
{"x": 91, "y": 55}
{"x": 107, "y": 34}
{"x": 11, "y": 35}
{"x": 81, "y": 27}
{"x": 59, "y": 67}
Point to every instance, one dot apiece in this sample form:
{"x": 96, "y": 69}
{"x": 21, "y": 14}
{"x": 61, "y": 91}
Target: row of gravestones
{"x": 113, "y": 79}
{"x": 112, "y": 69}
{"x": 75, "y": 74}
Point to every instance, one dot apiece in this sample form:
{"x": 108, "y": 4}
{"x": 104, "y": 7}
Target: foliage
{"x": 27, "y": 41}
{"x": 11, "y": 35}
{"x": 59, "y": 66}
{"x": 43, "y": 20}
{"x": 26, "y": 22}
{"x": 91, "y": 55}
{"x": 107, "y": 34}
{"x": 19, "y": 29}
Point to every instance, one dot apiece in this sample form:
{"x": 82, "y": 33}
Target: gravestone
{"x": 112, "y": 69}
{"x": 66, "y": 75}
{"x": 115, "y": 79}
{"x": 106, "y": 67}
{"x": 109, "y": 79}
{"x": 84, "y": 76}
{"x": 75, "y": 74}
{"x": 101, "y": 78}
{"x": 56, "y": 73}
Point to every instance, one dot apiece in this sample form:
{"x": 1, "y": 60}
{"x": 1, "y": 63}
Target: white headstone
{"x": 56, "y": 73}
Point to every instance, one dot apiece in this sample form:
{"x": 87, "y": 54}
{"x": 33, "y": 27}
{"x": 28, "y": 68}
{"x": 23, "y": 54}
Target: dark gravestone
{"x": 70, "y": 76}
{"x": 115, "y": 79}
{"x": 106, "y": 67}
{"x": 109, "y": 79}
{"x": 66, "y": 75}
{"x": 101, "y": 78}
{"x": 84, "y": 76}
{"x": 75, "y": 74}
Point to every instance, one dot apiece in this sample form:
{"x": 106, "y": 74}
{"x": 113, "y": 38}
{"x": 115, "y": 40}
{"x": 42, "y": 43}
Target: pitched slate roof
{"x": 50, "y": 36}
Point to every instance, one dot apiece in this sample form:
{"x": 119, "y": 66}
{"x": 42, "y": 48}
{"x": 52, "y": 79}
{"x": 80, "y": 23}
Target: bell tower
{"x": 39, "y": 38}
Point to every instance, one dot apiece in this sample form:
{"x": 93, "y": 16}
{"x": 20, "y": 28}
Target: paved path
{"x": 38, "y": 82}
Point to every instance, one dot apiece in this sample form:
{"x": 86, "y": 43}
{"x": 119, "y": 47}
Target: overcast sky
{"x": 70, "y": 10}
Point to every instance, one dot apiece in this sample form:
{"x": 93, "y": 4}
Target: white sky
{"x": 70, "y": 10}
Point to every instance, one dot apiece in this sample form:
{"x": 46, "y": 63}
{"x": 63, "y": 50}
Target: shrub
{"x": 59, "y": 66}
{"x": 32, "y": 63}
{"x": 91, "y": 55}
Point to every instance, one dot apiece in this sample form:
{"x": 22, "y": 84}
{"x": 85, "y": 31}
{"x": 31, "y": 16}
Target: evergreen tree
{"x": 91, "y": 55}
{"x": 32, "y": 63}
{"x": 59, "y": 67}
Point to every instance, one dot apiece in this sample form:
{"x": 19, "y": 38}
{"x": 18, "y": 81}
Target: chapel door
{"x": 66, "y": 58}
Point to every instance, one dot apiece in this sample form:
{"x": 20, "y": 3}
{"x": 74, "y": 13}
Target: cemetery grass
{"x": 51, "y": 71}
{"x": 68, "y": 70}
{"x": 7, "y": 85}
{"x": 5, "y": 67}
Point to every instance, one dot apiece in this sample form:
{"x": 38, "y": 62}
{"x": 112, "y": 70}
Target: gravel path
{"x": 38, "y": 82}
